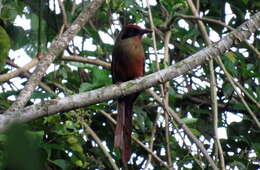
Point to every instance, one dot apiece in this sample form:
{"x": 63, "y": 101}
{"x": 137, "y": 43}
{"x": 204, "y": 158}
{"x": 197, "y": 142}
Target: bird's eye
{"x": 130, "y": 32}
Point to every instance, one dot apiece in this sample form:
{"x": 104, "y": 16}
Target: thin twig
{"x": 175, "y": 117}
{"x": 27, "y": 74}
{"x": 188, "y": 148}
{"x": 88, "y": 130}
{"x": 245, "y": 91}
{"x": 166, "y": 96}
{"x": 64, "y": 14}
{"x": 198, "y": 5}
{"x": 213, "y": 89}
{"x": 61, "y": 87}
{"x": 164, "y": 87}
{"x": 150, "y": 152}
{"x": 153, "y": 35}
{"x": 157, "y": 68}
{"x": 229, "y": 77}
{"x": 73, "y": 7}
{"x": 80, "y": 59}
{"x": 21, "y": 70}
{"x": 255, "y": 50}
{"x": 152, "y": 139}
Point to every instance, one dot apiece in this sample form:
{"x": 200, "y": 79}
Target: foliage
{"x": 61, "y": 141}
{"x": 4, "y": 47}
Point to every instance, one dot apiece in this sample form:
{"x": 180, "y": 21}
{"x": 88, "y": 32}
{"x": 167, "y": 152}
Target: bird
{"x": 127, "y": 64}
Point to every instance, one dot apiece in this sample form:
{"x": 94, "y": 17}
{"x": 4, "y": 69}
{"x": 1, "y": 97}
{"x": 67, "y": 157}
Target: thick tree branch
{"x": 55, "y": 49}
{"x": 109, "y": 92}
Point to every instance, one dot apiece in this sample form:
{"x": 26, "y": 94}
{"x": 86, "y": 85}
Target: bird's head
{"x": 132, "y": 30}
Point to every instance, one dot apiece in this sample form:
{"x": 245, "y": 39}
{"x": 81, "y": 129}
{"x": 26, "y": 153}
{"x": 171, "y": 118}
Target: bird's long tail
{"x": 119, "y": 140}
{"x": 124, "y": 126}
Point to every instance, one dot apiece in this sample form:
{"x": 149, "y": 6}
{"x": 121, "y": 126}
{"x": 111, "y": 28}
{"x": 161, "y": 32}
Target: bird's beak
{"x": 145, "y": 31}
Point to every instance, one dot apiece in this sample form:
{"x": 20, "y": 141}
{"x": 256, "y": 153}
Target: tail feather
{"x": 119, "y": 141}
{"x": 124, "y": 126}
{"x": 127, "y": 149}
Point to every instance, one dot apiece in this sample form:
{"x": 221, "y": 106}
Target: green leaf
{"x": 250, "y": 66}
{"x": 189, "y": 121}
{"x": 231, "y": 56}
{"x": 60, "y": 163}
{"x": 34, "y": 22}
{"x": 79, "y": 163}
{"x": 3, "y": 138}
{"x": 229, "y": 63}
{"x": 100, "y": 77}
{"x": 245, "y": 2}
{"x": 18, "y": 35}
{"x": 195, "y": 132}
{"x": 140, "y": 118}
{"x": 256, "y": 147}
{"x": 76, "y": 147}
{"x": 239, "y": 106}
{"x": 77, "y": 64}
{"x": 86, "y": 87}
{"x": 40, "y": 95}
{"x": 227, "y": 90}
{"x": 8, "y": 12}
{"x": 190, "y": 34}
{"x": 172, "y": 97}
{"x": 5, "y": 104}
{"x": 37, "y": 136}
{"x": 5, "y": 45}
{"x": 239, "y": 165}
{"x": 7, "y": 94}
{"x": 72, "y": 140}
{"x": 23, "y": 148}
{"x": 200, "y": 111}
{"x": 54, "y": 146}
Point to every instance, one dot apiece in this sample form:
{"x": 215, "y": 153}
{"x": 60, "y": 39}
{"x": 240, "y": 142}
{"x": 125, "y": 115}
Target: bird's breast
{"x": 129, "y": 56}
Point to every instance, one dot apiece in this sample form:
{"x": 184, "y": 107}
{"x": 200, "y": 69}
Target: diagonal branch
{"x": 55, "y": 49}
{"x": 27, "y": 74}
{"x": 114, "y": 91}
{"x": 21, "y": 70}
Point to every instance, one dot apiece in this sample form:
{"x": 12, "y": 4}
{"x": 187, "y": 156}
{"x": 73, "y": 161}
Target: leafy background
{"x": 61, "y": 141}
